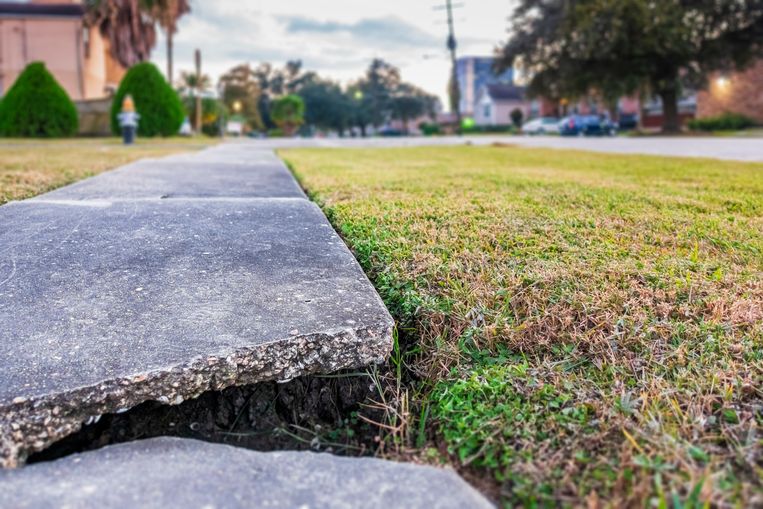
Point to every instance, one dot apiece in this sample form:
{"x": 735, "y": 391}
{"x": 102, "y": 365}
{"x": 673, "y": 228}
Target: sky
{"x": 336, "y": 38}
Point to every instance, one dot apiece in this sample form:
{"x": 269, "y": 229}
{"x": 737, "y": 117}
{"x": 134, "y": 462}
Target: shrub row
{"x": 725, "y": 122}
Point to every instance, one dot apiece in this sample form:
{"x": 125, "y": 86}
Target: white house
{"x": 495, "y": 103}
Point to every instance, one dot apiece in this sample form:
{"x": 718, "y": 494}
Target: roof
{"x": 502, "y": 92}
{"x": 23, "y": 10}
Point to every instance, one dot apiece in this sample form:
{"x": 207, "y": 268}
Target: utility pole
{"x": 455, "y": 92}
{"x": 198, "y": 91}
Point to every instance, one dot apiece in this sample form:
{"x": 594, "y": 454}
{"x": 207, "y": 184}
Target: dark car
{"x": 628, "y": 121}
{"x": 587, "y": 125}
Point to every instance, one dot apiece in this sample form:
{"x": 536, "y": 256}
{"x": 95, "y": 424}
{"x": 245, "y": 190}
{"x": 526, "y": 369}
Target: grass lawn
{"x": 575, "y": 329}
{"x": 31, "y": 167}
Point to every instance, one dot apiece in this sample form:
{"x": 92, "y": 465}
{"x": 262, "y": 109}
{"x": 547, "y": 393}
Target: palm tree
{"x": 167, "y": 13}
{"x": 193, "y": 84}
{"x": 131, "y": 34}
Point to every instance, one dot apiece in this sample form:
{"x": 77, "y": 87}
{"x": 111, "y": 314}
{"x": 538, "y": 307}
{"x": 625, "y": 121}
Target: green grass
{"x": 576, "y": 328}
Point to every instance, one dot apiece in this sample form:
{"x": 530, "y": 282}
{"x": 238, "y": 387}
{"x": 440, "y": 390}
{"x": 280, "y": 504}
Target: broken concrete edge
{"x": 32, "y": 424}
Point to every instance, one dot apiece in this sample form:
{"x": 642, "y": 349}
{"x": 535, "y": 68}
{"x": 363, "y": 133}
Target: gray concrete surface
{"x": 110, "y": 297}
{"x": 185, "y": 474}
{"x": 179, "y": 179}
{"x": 729, "y": 148}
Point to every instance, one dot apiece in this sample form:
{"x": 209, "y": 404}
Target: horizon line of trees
{"x": 373, "y": 100}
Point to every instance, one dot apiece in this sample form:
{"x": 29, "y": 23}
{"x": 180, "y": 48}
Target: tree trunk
{"x": 671, "y": 123}
{"x": 169, "y": 57}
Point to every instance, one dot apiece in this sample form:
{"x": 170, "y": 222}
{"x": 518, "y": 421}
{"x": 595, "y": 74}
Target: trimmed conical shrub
{"x": 161, "y": 112}
{"x": 36, "y": 106}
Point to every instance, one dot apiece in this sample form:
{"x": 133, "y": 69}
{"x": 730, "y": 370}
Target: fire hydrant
{"x": 128, "y": 120}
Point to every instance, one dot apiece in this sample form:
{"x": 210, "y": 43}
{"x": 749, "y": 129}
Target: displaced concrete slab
{"x": 177, "y": 473}
{"x": 169, "y": 179}
{"x": 106, "y": 305}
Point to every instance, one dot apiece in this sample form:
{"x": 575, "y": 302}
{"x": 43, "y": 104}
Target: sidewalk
{"x": 165, "y": 279}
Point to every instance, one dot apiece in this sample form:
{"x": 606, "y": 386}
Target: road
{"x": 735, "y": 149}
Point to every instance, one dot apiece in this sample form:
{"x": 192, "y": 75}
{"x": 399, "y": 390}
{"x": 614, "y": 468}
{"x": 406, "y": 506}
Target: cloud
{"x": 385, "y": 31}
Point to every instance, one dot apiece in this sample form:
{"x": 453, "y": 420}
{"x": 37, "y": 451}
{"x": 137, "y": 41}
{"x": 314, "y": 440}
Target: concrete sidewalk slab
{"x": 169, "y": 179}
{"x": 230, "y": 154}
{"x": 177, "y": 473}
{"x": 106, "y": 304}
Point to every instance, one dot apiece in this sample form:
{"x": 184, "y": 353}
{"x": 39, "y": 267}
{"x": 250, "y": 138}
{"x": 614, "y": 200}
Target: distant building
{"x": 53, "y": 32}
{"x": 474, "y": 73}
{"x": 496, "y": 101}
{"x": 740, "y": 92}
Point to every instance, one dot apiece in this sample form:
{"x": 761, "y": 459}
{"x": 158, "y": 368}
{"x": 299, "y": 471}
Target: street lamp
{"x": 237, "y": 106}
{"x": 722, "y": 82}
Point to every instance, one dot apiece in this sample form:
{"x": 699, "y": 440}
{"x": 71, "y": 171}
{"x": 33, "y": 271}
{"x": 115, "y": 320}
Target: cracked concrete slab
{"x": 180, "y": 473}
{"x": 106, "y": 304}
{"x": 168, "y": 178}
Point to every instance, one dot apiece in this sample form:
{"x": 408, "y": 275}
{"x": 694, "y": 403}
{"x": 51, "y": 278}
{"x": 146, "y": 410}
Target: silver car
{"x": 542, "y": 125}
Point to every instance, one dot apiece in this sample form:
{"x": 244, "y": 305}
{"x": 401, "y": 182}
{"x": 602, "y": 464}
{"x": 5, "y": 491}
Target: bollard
{"x": 128, "y": 120}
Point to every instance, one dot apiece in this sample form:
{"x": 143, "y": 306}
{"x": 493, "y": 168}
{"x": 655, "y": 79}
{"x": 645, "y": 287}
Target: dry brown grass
{"x": 32, "y": 167}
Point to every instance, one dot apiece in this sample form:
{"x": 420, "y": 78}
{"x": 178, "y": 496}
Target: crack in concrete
{"x": 29, "y": 425}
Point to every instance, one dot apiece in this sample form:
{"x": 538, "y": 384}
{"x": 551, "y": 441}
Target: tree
{"x": 241, "y": 94}
{"x": 37, "y": 106}
{"x": 161, "y": 112}
{"x": 274, "y": 83}
{"x": 191, "y": 84}
{"x": 326, "y": 106}
{"x": 127, "y": 25}
{"x": 377, "y": 88}
{"x": 410, "y": 102}
{"x": 167, "y": 13}
{"x": 615, "y": 47}
{"x": 288, "y": 112}
{"x": 360, "y": 109}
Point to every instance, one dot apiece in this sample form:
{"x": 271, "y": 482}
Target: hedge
{"x": 725, "y": 122}
{"x": 160, "y": 109}
{"x": 36, "y": 106}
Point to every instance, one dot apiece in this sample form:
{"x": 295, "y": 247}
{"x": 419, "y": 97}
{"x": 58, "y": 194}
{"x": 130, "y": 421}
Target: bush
{"x": 36, "y": 106}
{"x": 288, "y": 113}
{"x": 213, "y": 114}
{"x": 485, "y": 129}
{"x": 725, "y": 122}
{"x": 429, "y": 129}
{"x": 517, "y": 116}
{"x": 161, "y": 112}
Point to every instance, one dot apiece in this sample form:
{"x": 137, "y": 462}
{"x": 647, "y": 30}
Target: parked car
{"x": 628, "y": 121}
{"x": 587, "y": 125}
{"x": 391, "y": 132}
{"x": 542, "y": 125}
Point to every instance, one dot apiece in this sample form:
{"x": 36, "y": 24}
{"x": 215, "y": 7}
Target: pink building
{"x": 53, "y": 32}
{"x": 496, "y": 101}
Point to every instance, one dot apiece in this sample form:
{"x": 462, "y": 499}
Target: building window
{"x": 487, "y": 111}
